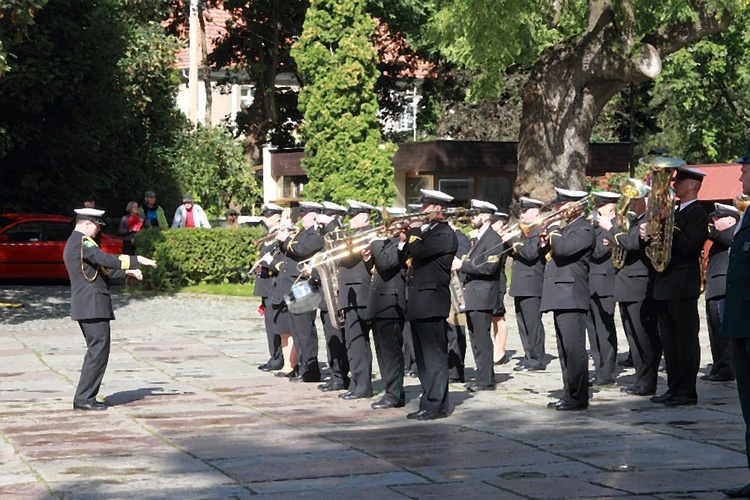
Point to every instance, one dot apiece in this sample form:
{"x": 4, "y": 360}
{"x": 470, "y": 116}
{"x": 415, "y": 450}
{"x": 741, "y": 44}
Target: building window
{"x": 498, "y": 190}
{"x": 462, "y": 189}
{"x": 292, "y": 186}
{"x": 413, "y": 185}
{"x": 246, "y": 96}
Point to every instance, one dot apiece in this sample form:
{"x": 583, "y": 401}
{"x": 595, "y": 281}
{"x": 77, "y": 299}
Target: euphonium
{"x": 629, "y": 189}
{"x": 741, "y": 201}
{"x": 660, "y": 228}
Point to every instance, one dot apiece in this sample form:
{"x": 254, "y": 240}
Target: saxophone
{"x": 629, "y": 189}
{"x": 660, "y": 228}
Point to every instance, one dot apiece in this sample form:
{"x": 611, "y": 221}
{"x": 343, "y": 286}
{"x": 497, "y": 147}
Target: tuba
{"x": 329, "y": 278}
{"x": 660, "y": 228}
{"x": 629, "y": 189}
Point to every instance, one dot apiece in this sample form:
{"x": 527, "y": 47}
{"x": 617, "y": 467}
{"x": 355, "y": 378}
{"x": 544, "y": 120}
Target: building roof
{"x": 215, "y": 20}
{"x": 722, "y": 181}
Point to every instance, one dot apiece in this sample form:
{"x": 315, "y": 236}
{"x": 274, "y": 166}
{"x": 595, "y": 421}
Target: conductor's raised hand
{"x": 135, "y": 273}
{"x": 145, "y": 261}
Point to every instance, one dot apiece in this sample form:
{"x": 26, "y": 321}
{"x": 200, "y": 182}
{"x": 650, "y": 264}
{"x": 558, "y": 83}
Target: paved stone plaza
{"x": 192, "y": 417}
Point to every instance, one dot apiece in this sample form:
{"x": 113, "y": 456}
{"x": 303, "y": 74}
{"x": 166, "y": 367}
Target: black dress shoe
{"x": 267, "y": 367}
{"x": 502, "y": 360}
{"x": 637, "y": 390}
{"x": 741, "y": 492}
{"x": 716, "y": 377}
{"x": 555, "y": 404}
{"x": 386, "y": 403}
{"x": 308, "y": 377}
{"x": 415, "y": 415}
{"x": 680, "y": 401}
{"x": 290, "y": 374}
{"x": 627, "y": 362}
{"x": 571, "y": 406}
{"x": 354, "y": 395}
{"x": 94, "y": 406}
{"x": 477, "y": 388}
{"x": 602, "y": 382}
{"x": 661, "y": 398}
{"x": 431, "y": 415}
{"x": 331, "y": 387}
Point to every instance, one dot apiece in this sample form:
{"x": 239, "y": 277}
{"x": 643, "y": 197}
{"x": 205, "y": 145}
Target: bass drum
{"x": 303, "y": 297}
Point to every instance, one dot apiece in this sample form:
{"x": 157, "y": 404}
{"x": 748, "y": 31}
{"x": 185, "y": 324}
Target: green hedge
{"x": 192, "y": 256}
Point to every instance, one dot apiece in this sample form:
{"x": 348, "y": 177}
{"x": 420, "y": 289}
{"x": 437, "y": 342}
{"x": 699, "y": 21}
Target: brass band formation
{"x": 415, "y": 279}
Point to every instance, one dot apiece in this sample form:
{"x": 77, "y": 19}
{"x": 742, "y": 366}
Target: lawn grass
{"x": 232, "y": 289}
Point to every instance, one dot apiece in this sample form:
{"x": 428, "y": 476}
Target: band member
{"x": 601, "y": 318}
{"x": 527, "y": 279}
{"x": 720, "y": 233}
{"x": 387, "y": 310}
{"x": 736, "y": 316}
{"x": 410, "y": 359}
{"x": 295, "y": 247}
{"x": 456, "y": 319}
{"x": 676, "y": 292}
{"x": 499, "y": 221}
{"x": 634, "y": 293}
{"x": 91, "y": 270}
{"x": 566, "y": 294}
{"x": 264, "y": 274}
{"x": 354, "y": 297}
{"x": 481, "y": 270}
{"x": 338, "y": 361}
{"x": 431, "y": 249}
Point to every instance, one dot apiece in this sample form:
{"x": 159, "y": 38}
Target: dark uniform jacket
{"x": 266, "y": 272}
{"x": 734, "y": 324}
{"x": 91, "y": 270}
{"x": 602, "y": 271}
{"x": 682, "y": 277}
{"x": 354, "y": 280}
{"x": 294, "y": 249}
{"x": 428, "y": 278}
{"x": 634, "y": 282}
{"x": 718, "y": 261}
{"x": 388, "y": 292}
{"x": 527, "y": 272}
{"x": 481, "y": 269}
{"x": 566, "y": 276}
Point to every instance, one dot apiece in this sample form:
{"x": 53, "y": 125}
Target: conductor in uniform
{"x": 481, "y": 270}
{"x": 676, "y": 292}
{"x": 566, "y": 294}
{"x": 737, "y": 316}
{"x": 264, "y": 274}
{"x": 431, "y": 248}
{"x": 91, "y": 271}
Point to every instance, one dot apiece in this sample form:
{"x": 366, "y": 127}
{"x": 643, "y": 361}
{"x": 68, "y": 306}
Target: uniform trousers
{"x": 642, "y": 331}
{"x": 678, "y": 327}
{"x": 410, "y": 359}
{"x": 431, "y": 350}
{"x": 306, "y": 339}
{"x": 531, "y": 330}
{"x": 479, "y": 323}
{"x": 600, "y": 324}
{"x": 456, "y": 348}
{"x": 741, "y": 357}
{"x": 358, "y": 351}
{"x": 276, "y": 359}
{"x": 388, "y": 338}
{"x": 570, "y": 328}
{"x": 96, "y": 333}
{"x": 721, "y": 348}
{"x": 337, "y": 357}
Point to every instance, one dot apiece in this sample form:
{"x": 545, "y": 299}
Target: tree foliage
{"x": 15, "y": 18}
{"x": 344, "y": 154}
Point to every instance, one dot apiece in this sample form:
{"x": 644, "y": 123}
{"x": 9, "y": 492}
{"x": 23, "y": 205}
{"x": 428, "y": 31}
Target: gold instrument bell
{"x": 741, "y": 201}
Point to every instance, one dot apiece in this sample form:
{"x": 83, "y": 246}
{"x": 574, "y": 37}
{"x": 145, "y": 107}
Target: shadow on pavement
{"x": 125, "y": 397}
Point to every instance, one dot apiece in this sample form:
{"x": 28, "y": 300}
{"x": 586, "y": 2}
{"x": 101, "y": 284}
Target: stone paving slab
{"x": 192, "y": 417}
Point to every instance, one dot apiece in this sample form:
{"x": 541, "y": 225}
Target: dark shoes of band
{"x": 331, "y": 386}
{"x": 627, "y": 362}
{"x": 424, "y": 415}
{"x": 290, "y": 374}
{"x": 386, "y": 403}
{"x": 354, "y": 395}
{"x": 741, "y": 492}
{"x": 715, "y": 377}
{"x": 661, "y": 398}
{"x": 601, "y": 382}
{"x": 680, "y": 401}
{"x": 476, "y": 387}
{"x": 307, "y": 377}
{"x": 524, "y": 368}
{"x": 505, "y": 359}
{"x": 93, "y": 406}
{"x": 555, "y": 404}
{"x": 637, "y": 390}
{"x": 269, "y": 368}
{"x": 571, "y": 406}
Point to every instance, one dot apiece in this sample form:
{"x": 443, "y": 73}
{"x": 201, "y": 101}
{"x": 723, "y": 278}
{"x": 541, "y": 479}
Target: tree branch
{"x": 673, "y": 37}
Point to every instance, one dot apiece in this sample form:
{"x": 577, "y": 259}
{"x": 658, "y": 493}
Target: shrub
{"x": 192, "y": 256}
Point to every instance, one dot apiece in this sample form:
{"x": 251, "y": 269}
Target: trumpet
{"x": 741, "y": 201}
{"x": 272, "y": 233}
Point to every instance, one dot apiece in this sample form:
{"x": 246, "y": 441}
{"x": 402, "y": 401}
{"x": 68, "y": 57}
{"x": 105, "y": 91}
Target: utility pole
{"x": 194, "y": 50}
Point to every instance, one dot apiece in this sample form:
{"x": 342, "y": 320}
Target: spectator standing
{"x": 232, "y": 216}
{"x": 130, "y": 223}
{"x": 153, "y": 214}
{"x": 189, "y": 214}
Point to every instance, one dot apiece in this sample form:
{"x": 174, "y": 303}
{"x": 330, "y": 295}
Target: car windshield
{"x": 4, "y": 221}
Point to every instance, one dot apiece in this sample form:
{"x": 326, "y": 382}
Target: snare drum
{"x": 303, "y": 297}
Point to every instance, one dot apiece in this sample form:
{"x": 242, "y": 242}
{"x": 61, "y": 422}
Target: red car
{"x": 31, "y": 245}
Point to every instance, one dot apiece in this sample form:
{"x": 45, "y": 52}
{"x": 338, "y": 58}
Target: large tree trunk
{"x": 572, "y": 81}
